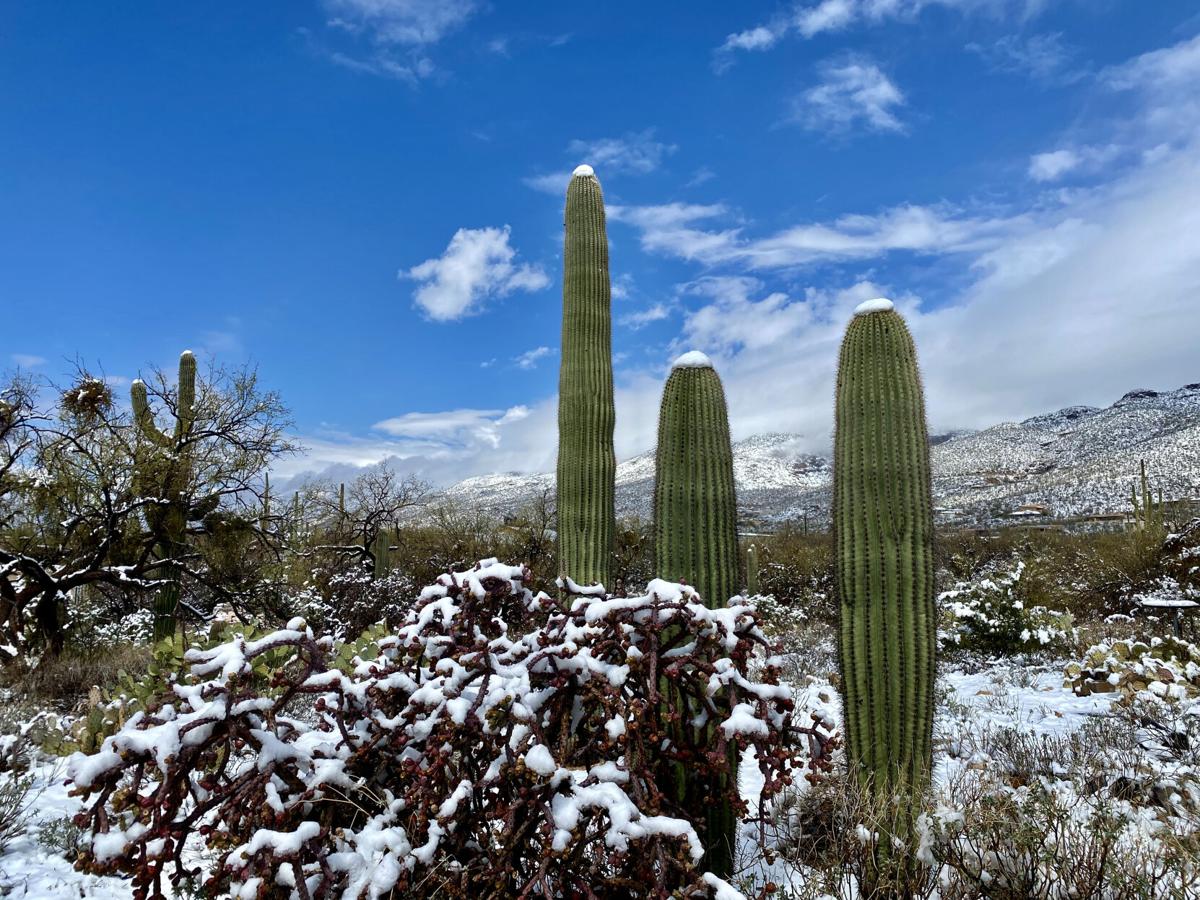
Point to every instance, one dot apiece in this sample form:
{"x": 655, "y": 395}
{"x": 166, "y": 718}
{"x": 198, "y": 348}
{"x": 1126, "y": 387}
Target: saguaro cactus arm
{"x": 185, "y": 412}
{"x": 586, "y": 412}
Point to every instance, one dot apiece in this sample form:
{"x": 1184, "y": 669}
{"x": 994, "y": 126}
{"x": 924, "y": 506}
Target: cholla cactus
{"x": 586, "y": 413}
{"x": 883, "y": 535}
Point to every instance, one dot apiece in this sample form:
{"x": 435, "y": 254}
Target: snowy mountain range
{"x": 1078, "y": 461}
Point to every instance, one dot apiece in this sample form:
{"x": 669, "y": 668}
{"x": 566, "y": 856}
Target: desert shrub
{"x": 345, "y": 602}
{"x": 832, "y": 832}
{"x": 66, "y": 679}
{"x": 17, "y": 796}
{"x": 991, "y": 616}
{"x": 796, "y": 569}
{"x": 1080, "y": 815}
{"x": 500, "y": 743}
{"x": 61, "y": 837}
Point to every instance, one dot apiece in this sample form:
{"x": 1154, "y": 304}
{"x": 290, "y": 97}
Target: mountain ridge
{"x": 1072, "y": 462}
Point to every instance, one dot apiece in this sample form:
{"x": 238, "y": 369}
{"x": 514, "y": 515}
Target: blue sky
{"x": 363, "y": 197}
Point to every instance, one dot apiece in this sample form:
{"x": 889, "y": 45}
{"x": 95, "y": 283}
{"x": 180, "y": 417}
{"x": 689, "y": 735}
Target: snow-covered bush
{"x": 1084, "y": 814}
{"x": 990, "y": 616}
{"x": 344, "y": 602}
{"x": 471, "y": 756}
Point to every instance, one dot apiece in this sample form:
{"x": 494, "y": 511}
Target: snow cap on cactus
{"x": 583, "y": 171}
{"x": 693, "y": 359}
{"x": 879, "y": 304}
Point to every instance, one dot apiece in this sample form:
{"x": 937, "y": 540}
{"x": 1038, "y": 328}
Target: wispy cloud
{"x": 390, "y": 38}
{"x": 1042, "y": 57}
{"x": 27, "y": 360}
{"x": 851, "y": 93}
{"x": 635, "y": 153}
{"x": 478, "y": 264}
{"x": 672, "y": 229}
{"x": 401, "y": 22}
{"x": 644, "y": 317}
{"x": 809, "y": 19}
{"x": 530, "y": 358}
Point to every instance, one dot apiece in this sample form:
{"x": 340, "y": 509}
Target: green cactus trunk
{"x": 695, "y": 531}
{"x": 382, "y": 553}
{"x": 586, "y": 413}
{"x": 752, "y": 570}
{"x": 883, "y": 538}
{"x": 163, "y": 473}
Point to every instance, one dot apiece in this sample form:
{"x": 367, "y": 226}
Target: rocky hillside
{"x": 1078, "y": 461}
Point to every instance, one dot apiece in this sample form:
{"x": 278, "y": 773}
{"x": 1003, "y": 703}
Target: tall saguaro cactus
{"x": 164, "y": 475}
{"x": 586, "y": 413}
{"x": 883, "y": 535}
{"x": 695, "y": 532}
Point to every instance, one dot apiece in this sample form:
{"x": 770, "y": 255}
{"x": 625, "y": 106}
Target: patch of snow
{"x": 693, "y": 359}
{"x": 880, "y": 304}
{"x": 583, "y": 171}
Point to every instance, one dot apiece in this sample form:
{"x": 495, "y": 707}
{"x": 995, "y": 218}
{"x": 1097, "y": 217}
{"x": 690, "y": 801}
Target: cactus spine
{"x": 695, "y": 531}
{"x": 883, "y": 535}
{"x": 586, "y": 413}
{"x": 164, "y": 475}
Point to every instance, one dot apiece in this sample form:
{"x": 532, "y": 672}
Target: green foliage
{"x": 883, "y": 533}
{"x": 586, "y": 412}
{"x": 992, "y": 615}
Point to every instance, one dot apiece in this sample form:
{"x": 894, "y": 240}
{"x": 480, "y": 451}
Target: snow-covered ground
{"x": 1003, "y": 695}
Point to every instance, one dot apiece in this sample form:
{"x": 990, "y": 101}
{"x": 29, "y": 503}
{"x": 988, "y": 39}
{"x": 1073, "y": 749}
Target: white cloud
{"x": 640, "y": 319}
{"x": 390, "y": 38}
{"x": 407, "y": 22}
{"x": 1042, "y": 57}
{"x": 1081, "y": 159}
{"x": 636, "y": 153}
{"x": 671, "y": 229}
{"x": 477, "y": 265}
{"x": 529, "y": 359}
{"x": 851, "y": 93}
{"x": 1053, "y": 165}
{"x": 810, "y": 19}
{"x": 27, "y": 360}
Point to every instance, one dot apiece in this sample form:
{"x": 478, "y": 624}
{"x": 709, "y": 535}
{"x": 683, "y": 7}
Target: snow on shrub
{"x": 990, "y": 616}
{"x": 469, "y": 757}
